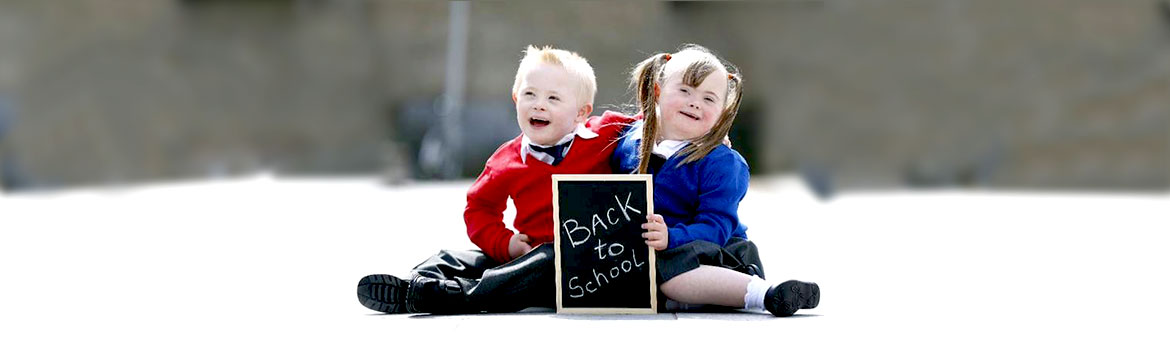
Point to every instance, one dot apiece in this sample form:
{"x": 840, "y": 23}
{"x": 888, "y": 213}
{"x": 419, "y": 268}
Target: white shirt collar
{"x": 581, "y": 131}
{"x": 666, "y": 148}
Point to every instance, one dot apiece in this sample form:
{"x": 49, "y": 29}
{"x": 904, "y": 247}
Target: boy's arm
{"x": 720, "y": 191}
{"x": 611, "y": 121}
{"x": 486, "y": 200}
{"x": 613, "y": 127}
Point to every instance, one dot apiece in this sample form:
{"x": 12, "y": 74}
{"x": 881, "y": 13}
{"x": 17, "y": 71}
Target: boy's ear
{"x": 513, "y": 97}
{"x": 584, "y": 113}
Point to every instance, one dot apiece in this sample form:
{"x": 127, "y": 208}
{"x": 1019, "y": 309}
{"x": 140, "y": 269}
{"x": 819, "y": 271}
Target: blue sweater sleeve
{"x": 723, "y": 182}
{"x": 625, "y": 155}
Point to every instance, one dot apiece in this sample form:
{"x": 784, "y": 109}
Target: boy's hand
{"x": 518, "y": 245}
{"x": 657, "y": 237}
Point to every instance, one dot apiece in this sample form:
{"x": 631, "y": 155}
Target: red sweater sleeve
{"x": 611, "y": 118}
{"x": 486, "y": 200}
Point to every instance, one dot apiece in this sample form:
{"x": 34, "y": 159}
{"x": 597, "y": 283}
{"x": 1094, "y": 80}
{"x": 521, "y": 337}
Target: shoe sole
{"x": 796, "y": 295}
{"x": 810, "y": 295}
{"x": 383, "y": 293}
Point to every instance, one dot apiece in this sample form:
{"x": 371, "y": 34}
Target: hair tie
{"x": 666, "y": 57}
{"x": 730, "y": 76}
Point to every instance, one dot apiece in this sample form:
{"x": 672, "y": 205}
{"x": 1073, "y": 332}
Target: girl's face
{"x": 686, "y": 112}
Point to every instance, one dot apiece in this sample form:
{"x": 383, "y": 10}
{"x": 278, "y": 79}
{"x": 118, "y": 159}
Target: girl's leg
{"x": 714, "y": 285}
{"x": 709, "y": 285}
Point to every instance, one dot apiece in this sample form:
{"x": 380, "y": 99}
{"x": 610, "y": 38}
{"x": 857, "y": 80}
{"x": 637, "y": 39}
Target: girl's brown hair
{"x": 646, "y": 77}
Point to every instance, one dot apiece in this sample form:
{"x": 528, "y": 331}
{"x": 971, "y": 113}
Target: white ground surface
{"x": 275, "y": 260}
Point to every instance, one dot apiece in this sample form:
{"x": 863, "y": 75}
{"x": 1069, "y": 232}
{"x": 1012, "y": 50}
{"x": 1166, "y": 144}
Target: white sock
{"x": 756, "y": 289}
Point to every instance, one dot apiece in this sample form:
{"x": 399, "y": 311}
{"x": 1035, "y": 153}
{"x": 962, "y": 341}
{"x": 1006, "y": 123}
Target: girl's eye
{"x": 709, "y": 99}
{"x": 683, "y": 90}
{"x": 554, "y": 98}
{"x": 528, "y": 93}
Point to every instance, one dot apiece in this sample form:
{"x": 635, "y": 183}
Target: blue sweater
{"x": 699, "y": 200}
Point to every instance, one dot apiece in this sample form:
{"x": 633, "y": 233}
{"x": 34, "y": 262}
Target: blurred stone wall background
{"x": 1038, "y": 94}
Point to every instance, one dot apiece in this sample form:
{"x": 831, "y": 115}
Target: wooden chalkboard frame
{"x": 652, "y": 308}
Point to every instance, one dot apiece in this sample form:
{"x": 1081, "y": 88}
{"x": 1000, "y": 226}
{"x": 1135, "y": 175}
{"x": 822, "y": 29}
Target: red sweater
{"x": 529, "y": 184}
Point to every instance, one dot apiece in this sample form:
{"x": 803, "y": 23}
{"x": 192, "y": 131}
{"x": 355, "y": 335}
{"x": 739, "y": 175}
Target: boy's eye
{"x": 683, "y": 90}
{"x": 554, "y": 98}
{"x": 529, "y": 93}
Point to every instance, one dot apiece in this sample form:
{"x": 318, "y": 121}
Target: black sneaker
{"x": 383, "y": 293}
{"x": 788, "y": 297}
{"x": 430, "y": 295}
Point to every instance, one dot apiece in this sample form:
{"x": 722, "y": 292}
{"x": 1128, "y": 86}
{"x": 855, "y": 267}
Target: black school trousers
{"x": 529, "y": 280}
{"x": 490, "y": 286}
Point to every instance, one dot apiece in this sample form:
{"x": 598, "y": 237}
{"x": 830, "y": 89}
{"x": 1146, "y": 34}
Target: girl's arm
{"x": 723, "y": 184}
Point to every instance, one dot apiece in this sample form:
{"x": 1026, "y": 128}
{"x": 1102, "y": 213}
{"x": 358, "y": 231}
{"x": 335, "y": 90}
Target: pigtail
{"x": 644, "y": 79}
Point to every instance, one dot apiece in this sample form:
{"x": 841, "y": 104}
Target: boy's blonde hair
{"x": 576, "y": 65}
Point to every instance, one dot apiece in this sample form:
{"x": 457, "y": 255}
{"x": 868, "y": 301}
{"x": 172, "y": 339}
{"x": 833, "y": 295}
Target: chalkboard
{"x": 603, "y": 263}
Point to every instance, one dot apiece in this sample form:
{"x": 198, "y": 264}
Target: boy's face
{"x": 689, "y": 112}
{"x": 549, "y": 104}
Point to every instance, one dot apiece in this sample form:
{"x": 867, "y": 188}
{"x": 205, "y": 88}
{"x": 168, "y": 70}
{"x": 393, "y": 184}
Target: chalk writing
{"x": 602, "y": 261}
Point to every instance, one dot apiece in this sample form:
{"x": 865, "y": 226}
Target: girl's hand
{"x": 519, "y": 245}
{"x": 657, "y": 237}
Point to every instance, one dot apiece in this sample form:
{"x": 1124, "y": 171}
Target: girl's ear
{"x": 584, "y": 113}
{"x": 656, "y": 91}
{"x": 513, "y": 98}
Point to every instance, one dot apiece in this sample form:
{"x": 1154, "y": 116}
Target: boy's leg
{"x": 527, "y": 281}
{"x": 458, "y": 282}
{"x": 450, "y": 264}
{"x": 388, "y": 294}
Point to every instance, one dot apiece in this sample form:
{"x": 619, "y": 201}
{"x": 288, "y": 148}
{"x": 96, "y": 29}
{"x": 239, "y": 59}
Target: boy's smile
{"x": 538, "y": 122}
{"x": 549, "y": 104}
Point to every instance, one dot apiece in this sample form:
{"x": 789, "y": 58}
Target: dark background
{"x": 1041, "y": 94}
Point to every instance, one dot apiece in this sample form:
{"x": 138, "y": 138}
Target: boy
{"x": 553, "y": 92}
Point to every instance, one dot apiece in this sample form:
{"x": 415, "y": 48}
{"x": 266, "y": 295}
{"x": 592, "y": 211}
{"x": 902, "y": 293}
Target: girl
{"x": 689, "y": 100}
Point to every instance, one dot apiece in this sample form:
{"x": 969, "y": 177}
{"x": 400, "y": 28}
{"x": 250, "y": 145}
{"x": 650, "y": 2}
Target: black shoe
{"x": 788, "y": 297}
{"x": 383, "y": 293}
{"x": 430, "y": 295}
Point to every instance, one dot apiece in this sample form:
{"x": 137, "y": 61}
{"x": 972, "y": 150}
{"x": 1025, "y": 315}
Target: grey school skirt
{"x": 739, "y": 254}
